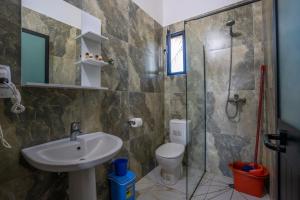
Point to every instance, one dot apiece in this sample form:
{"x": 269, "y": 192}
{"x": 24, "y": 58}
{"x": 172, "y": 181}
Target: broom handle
{"x": 260, "y": 104}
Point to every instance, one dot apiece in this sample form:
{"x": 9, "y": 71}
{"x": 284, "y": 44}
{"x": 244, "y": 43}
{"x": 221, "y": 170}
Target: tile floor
{"x": 217, "y": 188}
{"x": 151, "y": 188}
{"x": 211, "y": 188}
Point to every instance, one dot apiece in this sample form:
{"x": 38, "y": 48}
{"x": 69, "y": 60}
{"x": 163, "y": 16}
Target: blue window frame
{"x": 176, "y": 53}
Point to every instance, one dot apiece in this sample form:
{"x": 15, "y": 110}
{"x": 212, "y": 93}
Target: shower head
{"x": 230, "y": 23}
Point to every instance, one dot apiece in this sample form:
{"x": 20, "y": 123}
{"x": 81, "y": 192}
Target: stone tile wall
{"x": 226, "y": 141}
{"x": 229, "y": 141}
{"x": 135, "y": 84}
{"x": 174, "y": 86}
{"x": 138, "y": 87}
{"x": 184, "y": 99}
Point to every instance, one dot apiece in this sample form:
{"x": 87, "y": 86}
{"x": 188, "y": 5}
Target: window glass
{"x": 177, "y": 54}
{"x": 176, "y": 60}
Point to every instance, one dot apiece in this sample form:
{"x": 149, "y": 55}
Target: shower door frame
{"x": 217, "y": 11}
{"x": 188, "y": 137}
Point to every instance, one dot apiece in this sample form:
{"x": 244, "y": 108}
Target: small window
{"x": 176, "y": 53}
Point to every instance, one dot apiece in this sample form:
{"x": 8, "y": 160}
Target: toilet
{"x": 170, "y": 155}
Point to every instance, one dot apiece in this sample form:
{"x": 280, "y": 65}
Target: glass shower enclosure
{"x": 196, "y": 107}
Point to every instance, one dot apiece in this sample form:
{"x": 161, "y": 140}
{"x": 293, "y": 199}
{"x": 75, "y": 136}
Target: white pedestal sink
{"x": 79, "y": 158}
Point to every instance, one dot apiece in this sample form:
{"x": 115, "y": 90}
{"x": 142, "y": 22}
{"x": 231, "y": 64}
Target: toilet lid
{"x": 170, "y": 150}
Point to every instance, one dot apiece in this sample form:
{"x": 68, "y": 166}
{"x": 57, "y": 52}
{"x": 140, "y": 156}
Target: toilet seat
{"x": 170, "y": 150}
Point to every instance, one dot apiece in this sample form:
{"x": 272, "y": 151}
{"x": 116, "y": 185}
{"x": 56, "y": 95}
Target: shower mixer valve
{"x": 237, "y": 100}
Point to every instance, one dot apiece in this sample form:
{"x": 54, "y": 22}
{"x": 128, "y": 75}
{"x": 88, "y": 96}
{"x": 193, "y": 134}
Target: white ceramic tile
{"x": 154, "y": 177}
{"x": 207, "y": 179}
{"x": 211, "y": 188}
{"x": 146, "y": 197}
{"x": 216, "y": 191}
{"x": 202, "y": 189}
{"x": 223, "y": 179}
{"x": 151, "y": 187}
{"x": 220, "y": 184}
{"x": 249, "y": 197}
{"x": 167, "y": 195}
{"x": 217, "y": 188}
{"x": 199, "y": 197}
{"x": 144, "y": 183}
{"x": 225, "y": 195}
{"x": 237, "y": 196}
{"x": 161, "y": 193}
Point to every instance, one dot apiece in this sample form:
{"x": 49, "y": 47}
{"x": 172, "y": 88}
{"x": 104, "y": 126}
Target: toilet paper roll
{"x": 136, "y": 122}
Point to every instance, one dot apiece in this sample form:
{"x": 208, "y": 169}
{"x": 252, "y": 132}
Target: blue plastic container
{"x": 121, "y": 166}
{"x": 122, "y": 187}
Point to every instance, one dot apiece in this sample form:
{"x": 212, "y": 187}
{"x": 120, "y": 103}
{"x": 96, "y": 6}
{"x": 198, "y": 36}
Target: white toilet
{"x": 170, "y": 155}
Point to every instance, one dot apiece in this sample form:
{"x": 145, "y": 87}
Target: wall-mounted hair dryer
{"x": 9, "y": 90}
{"x": 5, "y": 74}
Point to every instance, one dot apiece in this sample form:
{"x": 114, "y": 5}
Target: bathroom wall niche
{"x": 61, "y": 46}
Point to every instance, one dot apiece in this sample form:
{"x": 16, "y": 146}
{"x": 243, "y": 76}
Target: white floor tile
{"x": 211, "y": 188}
{"x": 224, "y": 195}
{"x": 223, "y": 179}
{"x": 202, "y": 190}
{"x": 199, "y": 197}
{"x": 249, "y": 197}
{"x": 207, "y": 179}
{"x": 144, "y": 183}
{"x": 215, "y": 191}
{"x": 219, "y": 189}
{"x": 151, "y": 187}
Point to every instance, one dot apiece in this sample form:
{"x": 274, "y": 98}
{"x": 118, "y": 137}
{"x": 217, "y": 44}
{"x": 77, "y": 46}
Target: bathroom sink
{"x": 78, "y": 158}
{"x": 65, "y": 156}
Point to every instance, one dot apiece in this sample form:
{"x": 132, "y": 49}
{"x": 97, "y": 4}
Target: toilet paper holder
{"x": 135, "y": 122}
{"x": 131, "y": 123}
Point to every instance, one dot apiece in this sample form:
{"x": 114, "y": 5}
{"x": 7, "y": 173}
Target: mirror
{"x": 61, "y": 45}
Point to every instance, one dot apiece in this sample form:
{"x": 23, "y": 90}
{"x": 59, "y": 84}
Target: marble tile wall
{"x": 135, "y": 84}
{"x": 184, "y": 99}
{"x": 226, "y": 141}
{"x": 195, "y": 106}
{"x": 174, "y": 86}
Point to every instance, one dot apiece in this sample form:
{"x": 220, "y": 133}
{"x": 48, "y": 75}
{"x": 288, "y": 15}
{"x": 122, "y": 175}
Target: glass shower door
{"x": 196, "y": 112}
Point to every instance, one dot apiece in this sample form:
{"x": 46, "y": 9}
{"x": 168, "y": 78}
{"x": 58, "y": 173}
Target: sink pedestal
{"x": 82, "y": 185}
{"x": 78, "y": 158}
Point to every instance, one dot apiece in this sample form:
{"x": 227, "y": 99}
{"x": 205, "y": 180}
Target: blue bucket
{"x": 121, "y": 166}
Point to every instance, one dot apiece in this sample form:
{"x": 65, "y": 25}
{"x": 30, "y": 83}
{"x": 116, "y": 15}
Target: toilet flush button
{"x": 177, "y": 133}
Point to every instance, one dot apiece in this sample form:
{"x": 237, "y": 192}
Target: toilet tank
{"x": 178, "y": 131}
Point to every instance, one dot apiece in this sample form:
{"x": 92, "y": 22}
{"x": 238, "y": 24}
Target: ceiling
{"x": 168, "y": 12}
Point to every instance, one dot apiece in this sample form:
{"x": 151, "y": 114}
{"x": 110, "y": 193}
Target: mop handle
{"x": 259, "y": 114}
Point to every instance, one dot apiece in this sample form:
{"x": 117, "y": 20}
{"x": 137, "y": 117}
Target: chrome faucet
{"x": 237, "y": 100}
{"x": 75, "y": 131}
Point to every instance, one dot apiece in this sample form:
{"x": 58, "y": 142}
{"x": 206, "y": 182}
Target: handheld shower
{"x": 230, "y": 23}
{"x": 236, "y": 101}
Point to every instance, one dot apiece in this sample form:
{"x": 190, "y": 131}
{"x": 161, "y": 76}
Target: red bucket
{"x": 252, "y": 182}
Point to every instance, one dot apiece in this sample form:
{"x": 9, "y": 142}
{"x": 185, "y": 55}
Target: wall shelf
{"x": 91, "y": 68}
{"x": 91, "y": 62}
{"x": 52, "y": 85}
{"x": 92, "y": 36}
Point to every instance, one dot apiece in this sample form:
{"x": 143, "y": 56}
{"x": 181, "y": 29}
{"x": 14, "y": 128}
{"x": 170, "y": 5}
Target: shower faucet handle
{"x": 237, "y": 100}
{"x": 236, "y": 97}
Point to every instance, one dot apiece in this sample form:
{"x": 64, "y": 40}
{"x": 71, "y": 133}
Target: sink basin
{"x": 65, "y": 156}
{"x": 79, "y": 158}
